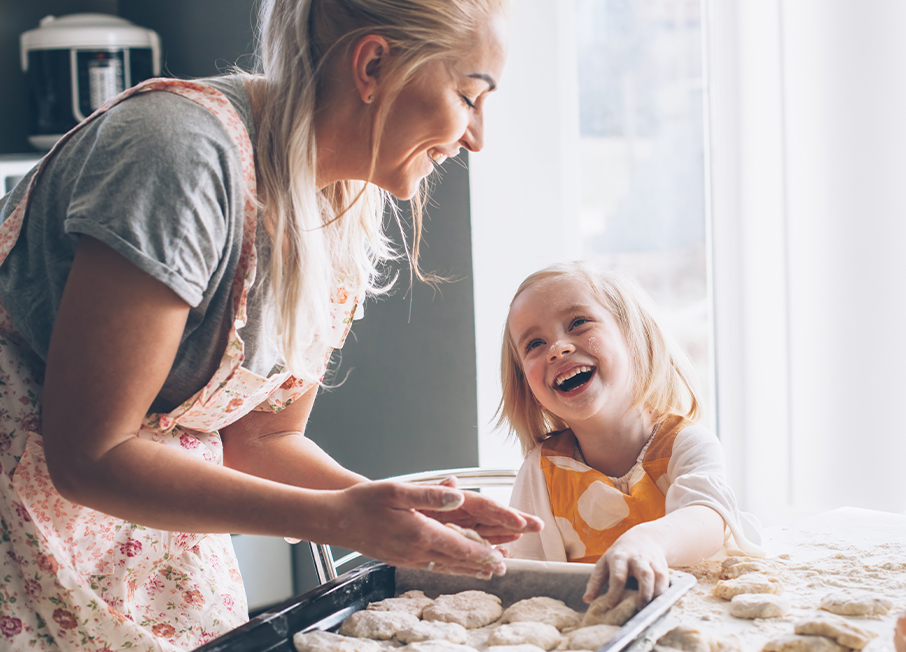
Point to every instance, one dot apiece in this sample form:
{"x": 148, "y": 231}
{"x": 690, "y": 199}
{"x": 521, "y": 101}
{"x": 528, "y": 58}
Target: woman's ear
{"x": 367, "y": 58}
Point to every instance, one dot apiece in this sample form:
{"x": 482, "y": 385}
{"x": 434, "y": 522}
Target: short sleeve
{"x": 157, "y": 189}
{"x": 530, "y": 495}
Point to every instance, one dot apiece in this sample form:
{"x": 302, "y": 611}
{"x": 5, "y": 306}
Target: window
{"x": 641, "y": 158}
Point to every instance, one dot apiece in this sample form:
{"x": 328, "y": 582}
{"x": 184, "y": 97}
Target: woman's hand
{"x": 638, "y": 554}
{"x": 387, "y": 521}
{"x": 494, "y": 522}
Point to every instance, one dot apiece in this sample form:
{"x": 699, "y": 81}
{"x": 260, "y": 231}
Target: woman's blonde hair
{"x": 322, "y": 237}
{"x": 663, "y": 377}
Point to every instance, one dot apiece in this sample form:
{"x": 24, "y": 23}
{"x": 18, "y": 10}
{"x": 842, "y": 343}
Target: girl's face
{"x": 439, "y": 111}
{"x": 572, "y": 352}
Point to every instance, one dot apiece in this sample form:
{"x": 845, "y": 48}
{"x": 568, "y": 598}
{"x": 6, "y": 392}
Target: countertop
{"x": 847, "y": 549}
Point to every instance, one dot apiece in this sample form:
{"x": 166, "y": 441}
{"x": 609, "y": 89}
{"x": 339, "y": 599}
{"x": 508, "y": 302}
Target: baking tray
{"x": 327, "y": 606}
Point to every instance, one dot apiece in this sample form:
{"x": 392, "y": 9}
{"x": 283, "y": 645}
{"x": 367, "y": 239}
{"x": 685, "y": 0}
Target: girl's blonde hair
{"x": 323, "y": 237}
{"x": 663, "y": 377}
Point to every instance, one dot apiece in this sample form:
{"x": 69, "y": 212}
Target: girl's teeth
{"x": 436, "y": 156}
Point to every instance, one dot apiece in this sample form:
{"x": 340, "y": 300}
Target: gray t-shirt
{"x": 158, "y": 179}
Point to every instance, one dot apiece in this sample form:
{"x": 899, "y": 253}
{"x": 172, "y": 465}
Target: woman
{"x": 174, "y": 276}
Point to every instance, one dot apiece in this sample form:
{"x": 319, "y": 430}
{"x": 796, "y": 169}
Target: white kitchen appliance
{"x": 13, "y": 167}
{"x": 73, "y": 64}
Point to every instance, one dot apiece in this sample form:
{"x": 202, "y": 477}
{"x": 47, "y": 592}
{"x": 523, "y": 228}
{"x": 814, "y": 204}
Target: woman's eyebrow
{"x": 492, "y": 84}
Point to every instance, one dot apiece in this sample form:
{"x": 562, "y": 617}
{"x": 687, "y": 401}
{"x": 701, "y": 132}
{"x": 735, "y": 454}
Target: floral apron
{"x": 590, "y": 509}
{"x": 72, "y": 578}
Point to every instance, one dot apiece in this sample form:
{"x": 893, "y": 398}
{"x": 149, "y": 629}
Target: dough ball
{"x": 542, "y": 609}
{"x": 839, "y": 629}
{"x": 318, "y": 641}
{"x": 471, "y": 609}
{"x": 743, "y": 567}
{"x": 468, "y": 534}
{"x": 801, "y": 643}
{"x": 599, "y": 614}
{"x": 759, "y": 605}
{"x": 434, "y": 630}
{"x": 521, "y": 647}
{"x": 382, "y": 625}
{"x": 748, "y": 583}
{"x": 413, "y": 602}
{"x": 589, "y": 638}
{"x": 855, "y": 604}
{"x": 687, "y": 639}
{"x": 542, "y": 635}
{"x": 435, "y": 646}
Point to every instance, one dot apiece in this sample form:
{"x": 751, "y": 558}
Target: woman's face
{"x": 439, "y": 111}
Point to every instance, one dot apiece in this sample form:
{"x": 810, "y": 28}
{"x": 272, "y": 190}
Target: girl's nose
{"x": 559, "y": 349}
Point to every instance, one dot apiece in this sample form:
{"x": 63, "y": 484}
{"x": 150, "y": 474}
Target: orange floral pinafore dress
{"x": 590, "y": 508}
{"x": 72, "y": 578}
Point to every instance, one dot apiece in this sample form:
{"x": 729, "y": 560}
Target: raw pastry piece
{"x": 521, "y": 647}
{"x": 471, "y": 609}
{"x": 542, "y": 609}
{"x": 803, "y": 643}
{"x": 748, "y": 583}
{"x": 589, "y": 638}
{"x": 855, "y": 604}
{"x": 435, "y": 646}
{"x": 541, "y": 635}
{"x": 836, "y": 628}
{"x": 742, "y": 567}
{"x": 376, "y": 624}
{"x": 413, "y": 602}
{"x": 468, "y": 534}
{"x": 688, "y": 639}
{"x": 599, "y": 614}
{"x": 899, "y": 634}
{"x": 759, "y": 605}
{"x": 434, "y": 630}
{"x": 318, "y": 641}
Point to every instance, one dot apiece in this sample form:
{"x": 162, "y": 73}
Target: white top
{"x": 695, "y": 476}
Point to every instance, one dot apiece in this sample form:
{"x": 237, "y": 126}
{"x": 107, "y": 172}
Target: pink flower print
{"x": 235, "y": 576}
{"x": 5, "y": 442}
{"x": 33, "y": 587}
{"x": 228, "y": 601}
{"x": 10, "y": 626}
{"x": 289, "y": 383}
{"x": 22, "y": 512}
{"x": 65, "y": 619}
{"x": 188, "y": 442}
{"x": 341, "y": 295}
{"x": 131, "y": 548}
{"x": 24, "y": 400}
{"x": 193, "y": 596}
{"x": 234, "y": 405}
{"x": 47, "y": 563}
{"x": 163, "y": 630}
{"x": 153, "y": 584}
{"x": 30, "y": 423}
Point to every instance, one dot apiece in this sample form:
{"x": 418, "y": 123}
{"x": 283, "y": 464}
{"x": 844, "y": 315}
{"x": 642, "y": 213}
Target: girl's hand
{"x": 384, "y": 521}
{"x": 635, "y": 553}
{"x": 494, "y": 522}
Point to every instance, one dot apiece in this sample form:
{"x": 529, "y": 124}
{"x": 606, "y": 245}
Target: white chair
{"x": 468, "y": 478}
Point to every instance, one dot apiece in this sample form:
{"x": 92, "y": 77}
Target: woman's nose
{"x": 473, "y": 139}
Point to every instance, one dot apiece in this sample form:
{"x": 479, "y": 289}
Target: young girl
{"x": 605, "y": 406}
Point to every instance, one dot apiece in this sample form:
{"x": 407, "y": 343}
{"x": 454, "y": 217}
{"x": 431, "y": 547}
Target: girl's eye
{"x": 578, "y": 322}
{"x": 534, "y": 344}
{"x": 468, "y": 102}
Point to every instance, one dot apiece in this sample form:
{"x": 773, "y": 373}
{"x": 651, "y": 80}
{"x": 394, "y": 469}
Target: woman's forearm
{"x": 165, "y": 488}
